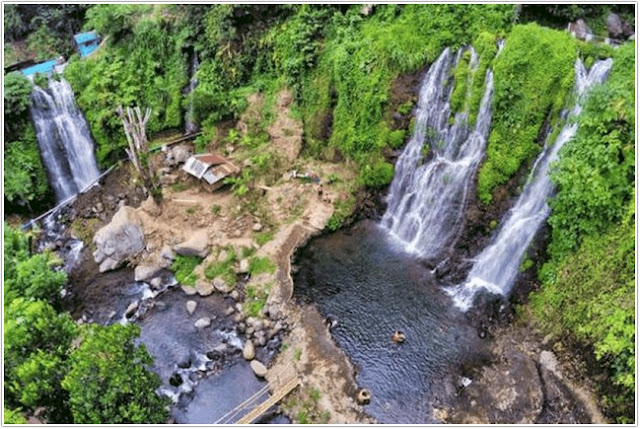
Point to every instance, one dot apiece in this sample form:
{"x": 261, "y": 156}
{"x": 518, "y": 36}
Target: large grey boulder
{"x": 178, "y": 154}
{"x": 614, "y": 25}
{"x": 118, "y": 241}
{"x": 196, "y": 245}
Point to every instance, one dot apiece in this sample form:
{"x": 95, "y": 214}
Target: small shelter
{"x": 86, "y": 42}
{"x": 211, "y": 168}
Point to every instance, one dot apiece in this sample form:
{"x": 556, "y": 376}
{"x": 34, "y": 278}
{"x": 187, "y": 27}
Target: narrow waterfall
{"x": 429, "y": 191}
{"x": 189, "y": 119}
{"x": 496, "y": 268}
{"x": 63, "y": 136}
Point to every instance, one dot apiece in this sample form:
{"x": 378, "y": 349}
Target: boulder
{"x": 196, "y": 245}
{"x": 203, "y": 322}
{"x": 257, "y": 227}
{"x": 191, "y": 306}
{"x": 118, "y": 241}
{"x": 249, "y": 351}
{"x": 204, "y": 288}
{"x": 149, "y": 269}
{"x": 243, "y": 267}
{"x": 580, "y": 30}
{"x": 614, "y": 25}
{"x": 178, "y": 154}
{"x": 221, "y": 285}
{"x": 188, "y": 289}
{"x": 258, "y": 368}
{"x": 131, "y": 309}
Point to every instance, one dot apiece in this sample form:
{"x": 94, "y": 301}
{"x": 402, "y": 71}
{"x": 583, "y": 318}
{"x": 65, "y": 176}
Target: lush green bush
{"x": 13, "y": 417}
{"x": 109, "y": 381}
{"x": 533, "y": 77}
{"x": 261, "y": 265}
{"x": 589, "y": 282}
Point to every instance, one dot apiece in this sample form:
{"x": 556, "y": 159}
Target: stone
{"x": 178, "y": 154}
{"x": 222, "y": 256}
{"x": 203, "y": 322}
{"x": 614, "y": 25}
{"x": 188, "y": 290}
{"x": 196, "y": 245}
{"x": 235, "y": 295}
{"x": 366, "y": 9}
{"x": 580, "y": 30}
{"x": 167, "y": 254}
{"x": 549, "y": 361}
{"x": 118, "y": 241}
{"x": 221, "y": 285}
{"x": 249, "y": 351}
{"x": 257, "y": 227}
{"x": 243, "y": 267}
{"x": 131, "y": 309}
{"x": 239, "y": 307}
{"x": 151, "y": 208}
{"x": 98, "y": 208}
{"x": 229, "y": 311}
{"x": 147, "y": 270}
{"x": 191, "y": 306}
{"x": 258, "y": 368}
{"x": 204, "y": 288}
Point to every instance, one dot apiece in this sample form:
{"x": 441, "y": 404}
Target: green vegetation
{"x": 261, "y": 265}
{"x": 104, "y": 380}
{"x": 533, "y": 77}
{"x": 142, "y": 65}
{"x": 256, "y": 299}
{"x": 109, "y": 380}
{"x": 342, "y": 209}
{"x": 223, "y": 268}
{"x": 461, "y": 76}
{"x": 263, "y": 238}
{"x": 25, "y": 179}
{"x": 183, "y": 267}
{"x": 589, "y": 282}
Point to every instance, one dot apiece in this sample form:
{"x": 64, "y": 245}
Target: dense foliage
{"x": 45, "y": 29}
{"x": 109, "y": 380}
{"x": 25, "y": 179}
{"x": 533, "y": 76}
{"x": 144, "y": 65}
{"x": 588, "y": 284}
{"x": 43, "y": 369}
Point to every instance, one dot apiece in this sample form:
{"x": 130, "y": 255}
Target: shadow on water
{"x": 372, "y": 288}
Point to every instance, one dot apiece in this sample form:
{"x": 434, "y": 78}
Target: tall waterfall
{"x": 496, "y": 268}
{"x": 427, "y": 199}
{"x": 63, "y": 136}
{"x": 189, "y": 118}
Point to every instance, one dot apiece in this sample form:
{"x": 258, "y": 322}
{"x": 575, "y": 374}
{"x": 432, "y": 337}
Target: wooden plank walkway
{"x": 275, "y": 397}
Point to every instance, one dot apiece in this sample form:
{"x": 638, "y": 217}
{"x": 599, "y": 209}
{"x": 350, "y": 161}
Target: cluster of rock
{"x": 617, "y": 29}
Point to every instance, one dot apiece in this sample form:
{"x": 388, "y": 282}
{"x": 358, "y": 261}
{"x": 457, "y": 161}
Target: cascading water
{"x": 63, "y": 136}
{"x": 496, "y": 268}
{"x": 427, "y": 200}
{"x": 189, "y": 120}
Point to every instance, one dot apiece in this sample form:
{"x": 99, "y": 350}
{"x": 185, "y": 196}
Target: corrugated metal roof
{"x": 89, "y": 36}
{"x": 211, "y": 159}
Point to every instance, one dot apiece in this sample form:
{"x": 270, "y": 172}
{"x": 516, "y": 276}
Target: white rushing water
{"x": 64, "y": 139}
{"x": 496, "y": 268}
{"x": 189, "y": 121}
{"x": 428, "y": 194}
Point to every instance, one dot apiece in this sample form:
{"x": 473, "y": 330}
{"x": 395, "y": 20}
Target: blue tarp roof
{"x": 86, "y": 37}
{"x": 45, "y": 67}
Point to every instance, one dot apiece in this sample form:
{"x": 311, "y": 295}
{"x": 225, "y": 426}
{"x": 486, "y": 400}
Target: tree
{"x": 135, "y": 128}
{"x": 109, "y": 381}
{"x": 17, "y": 89}
{"x": 13, "y": 417}
{"x": 34, "y": 279}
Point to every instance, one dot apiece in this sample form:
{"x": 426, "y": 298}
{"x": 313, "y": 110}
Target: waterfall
{"x": 63, "y": 136}
{"x": 189, "y": 120}
{"x": 496, "y": 268}
{"x": 428, "y": 194}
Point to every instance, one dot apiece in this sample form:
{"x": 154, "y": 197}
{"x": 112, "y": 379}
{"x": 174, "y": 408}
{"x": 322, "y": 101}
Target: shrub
{"x": 183, "y": 268}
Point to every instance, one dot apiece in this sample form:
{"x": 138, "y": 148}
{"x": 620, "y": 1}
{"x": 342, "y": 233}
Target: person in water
{"x": 398, "y": 337}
